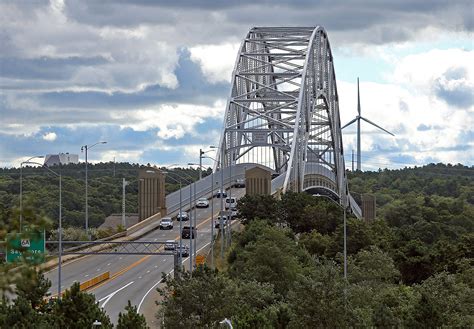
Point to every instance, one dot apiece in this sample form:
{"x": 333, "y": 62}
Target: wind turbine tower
{"x": 358, "y": 118}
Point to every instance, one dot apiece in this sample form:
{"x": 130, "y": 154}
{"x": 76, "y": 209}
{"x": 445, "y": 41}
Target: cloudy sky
{"x": 152, "y": 77}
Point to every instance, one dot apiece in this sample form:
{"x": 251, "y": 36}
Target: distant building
{"x": 61, "y": 158}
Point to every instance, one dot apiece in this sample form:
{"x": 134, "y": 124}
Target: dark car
{"x": 218, "y": 221}
{"x": 183, "y": 250}
{"x": 166, "y": 223}
{"x": 184, "y": 216}
{"x": 186, "y": 233}
{"x": 221, "y": 195}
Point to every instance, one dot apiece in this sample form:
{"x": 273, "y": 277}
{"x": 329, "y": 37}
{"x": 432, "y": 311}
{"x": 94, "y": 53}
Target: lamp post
{"x": 180, "y": 212}
{"x": 201, "y": 156}
{"x": 21, "y": 186}
{"x": 345, "y": 230}
{"x": 86, "y": 148}
{"x": 221, "y": 223}
{"x": 59, "y": 224}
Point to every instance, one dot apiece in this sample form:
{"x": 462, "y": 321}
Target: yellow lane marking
{"x": 141, "y": 260}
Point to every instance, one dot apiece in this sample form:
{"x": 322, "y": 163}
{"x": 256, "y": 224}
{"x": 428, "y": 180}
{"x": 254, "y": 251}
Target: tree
{"x": 444, "y": 301}
{"x": 271, "y": 257}
{"x": 198, "y": 301}
{"x": 78, "y": 309}
{"x": 131, "y": 319}
{"x": 204, "y": 299}
{"x": 317, "y": 298}
{"x": 258, "y": 206}
{"x": 32, "y": 287}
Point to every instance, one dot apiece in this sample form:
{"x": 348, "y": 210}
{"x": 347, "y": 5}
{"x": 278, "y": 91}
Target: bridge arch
{"x": 283, "y": 110}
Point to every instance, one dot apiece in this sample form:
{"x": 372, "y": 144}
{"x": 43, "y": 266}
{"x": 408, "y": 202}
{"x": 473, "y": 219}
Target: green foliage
{"x": 78, "y": 309}
{"x": 318, "y": 298}
{"x": 444, "y": 302}
{"x": 32, "y": 287}
{"x": 209, "y": 296}
{"x": 258, "y": 206}
{"x": 266, "y": 254}
{"x": 104, "y": 190}
{"x": 131, "y": 319}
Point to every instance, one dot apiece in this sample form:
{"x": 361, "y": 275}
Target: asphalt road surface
{"x": 134, "y": 277}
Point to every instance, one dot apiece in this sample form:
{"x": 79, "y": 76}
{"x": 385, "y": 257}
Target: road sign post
{"x": 200, "y": 260}
{"x": 32, "y": 244}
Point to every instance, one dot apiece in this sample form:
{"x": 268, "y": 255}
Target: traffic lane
{"x": 87, "y": 267}
{"x": 144, "y": 278}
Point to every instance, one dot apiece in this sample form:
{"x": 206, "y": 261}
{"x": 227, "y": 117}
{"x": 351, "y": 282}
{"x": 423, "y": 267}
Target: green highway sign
{"x": 32, "y": 244}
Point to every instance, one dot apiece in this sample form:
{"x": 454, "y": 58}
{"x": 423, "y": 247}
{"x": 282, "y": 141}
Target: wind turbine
{"x": 358, "y": 118}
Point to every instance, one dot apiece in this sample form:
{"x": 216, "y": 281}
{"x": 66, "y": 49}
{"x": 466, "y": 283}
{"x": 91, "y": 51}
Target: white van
{"x": 231, "y": 203}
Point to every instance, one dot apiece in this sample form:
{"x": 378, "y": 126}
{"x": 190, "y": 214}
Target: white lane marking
{"x": 108, "y": 264}
{"x": 158, "y": 282}
{"x": 148, "y": 271}
{"x": 109, "y": 296}
{"x": 156, "y": 266}
{"x": 86, "y": 275}
{"x": 120, "y": 257}
{"x": 155, "y": 240}
{"x": 139, "y": 277}
{"x": 164, "y": 260}
{"x": 98, "y": 269}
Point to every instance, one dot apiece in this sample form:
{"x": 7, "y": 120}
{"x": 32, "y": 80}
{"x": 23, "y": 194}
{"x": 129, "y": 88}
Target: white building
{"x": 61, "y": 158}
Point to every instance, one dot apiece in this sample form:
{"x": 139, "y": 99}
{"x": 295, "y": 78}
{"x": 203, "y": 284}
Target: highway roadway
{"x": 134, "y": 277}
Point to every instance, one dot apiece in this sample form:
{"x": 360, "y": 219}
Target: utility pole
{"x": 86, "y": 148}
{"x": 201, "y": 153}
{"x": 124, "y": 184}
{"x": 353, "y": 160}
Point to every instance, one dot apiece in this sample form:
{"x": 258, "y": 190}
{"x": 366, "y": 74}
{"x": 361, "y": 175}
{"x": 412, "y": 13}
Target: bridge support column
{"x": 258, "y": 181}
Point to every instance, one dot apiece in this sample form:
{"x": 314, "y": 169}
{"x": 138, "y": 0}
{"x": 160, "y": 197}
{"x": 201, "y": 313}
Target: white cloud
{"x": 217, "y": 61}
{"x": 421, "y": 70}
{"x": 50, "y": 137}
{"x": 172, "y": 120}
{"x": 407, "y": 102}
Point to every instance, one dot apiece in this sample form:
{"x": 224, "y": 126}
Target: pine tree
{"x": 131, "y": 319}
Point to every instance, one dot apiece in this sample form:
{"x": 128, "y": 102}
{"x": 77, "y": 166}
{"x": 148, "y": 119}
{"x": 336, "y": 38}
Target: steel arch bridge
{"x": 283, "y": 111}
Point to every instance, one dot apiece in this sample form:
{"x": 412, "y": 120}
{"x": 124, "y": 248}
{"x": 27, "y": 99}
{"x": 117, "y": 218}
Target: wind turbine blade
{"x": 349, "y": 123}
{"x": 358, "y": 96}
{"x": 373, "y": 124}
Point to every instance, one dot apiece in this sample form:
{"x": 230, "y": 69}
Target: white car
{"x": 170, "y": 245}
{"x": 202, "y": 203}
{"x": 166, "y": 223}
{"x": 231, "y": 203}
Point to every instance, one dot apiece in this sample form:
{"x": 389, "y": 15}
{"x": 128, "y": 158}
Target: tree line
{"x": 412, "y": 267}
{"x": 40, "y": 189}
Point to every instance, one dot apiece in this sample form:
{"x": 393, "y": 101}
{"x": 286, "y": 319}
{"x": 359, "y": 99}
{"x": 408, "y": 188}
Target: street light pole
{"x": 212, "y": 219}
{"x": 21, "y": 187}
{"x": 124, "y": 184}
{"x": 86, "y": 148}
{"x": 201, "y": 153}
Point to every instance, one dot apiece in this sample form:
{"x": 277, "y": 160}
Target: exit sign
{"x": 30, "y": 244}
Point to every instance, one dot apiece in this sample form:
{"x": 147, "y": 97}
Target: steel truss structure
{"x": 113, "y": 248}
{"x": 283, "y": 110}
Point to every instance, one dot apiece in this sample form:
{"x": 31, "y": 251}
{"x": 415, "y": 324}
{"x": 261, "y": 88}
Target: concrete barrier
{"x": 96, "y": 280}
{"x": 138, "y": 226}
